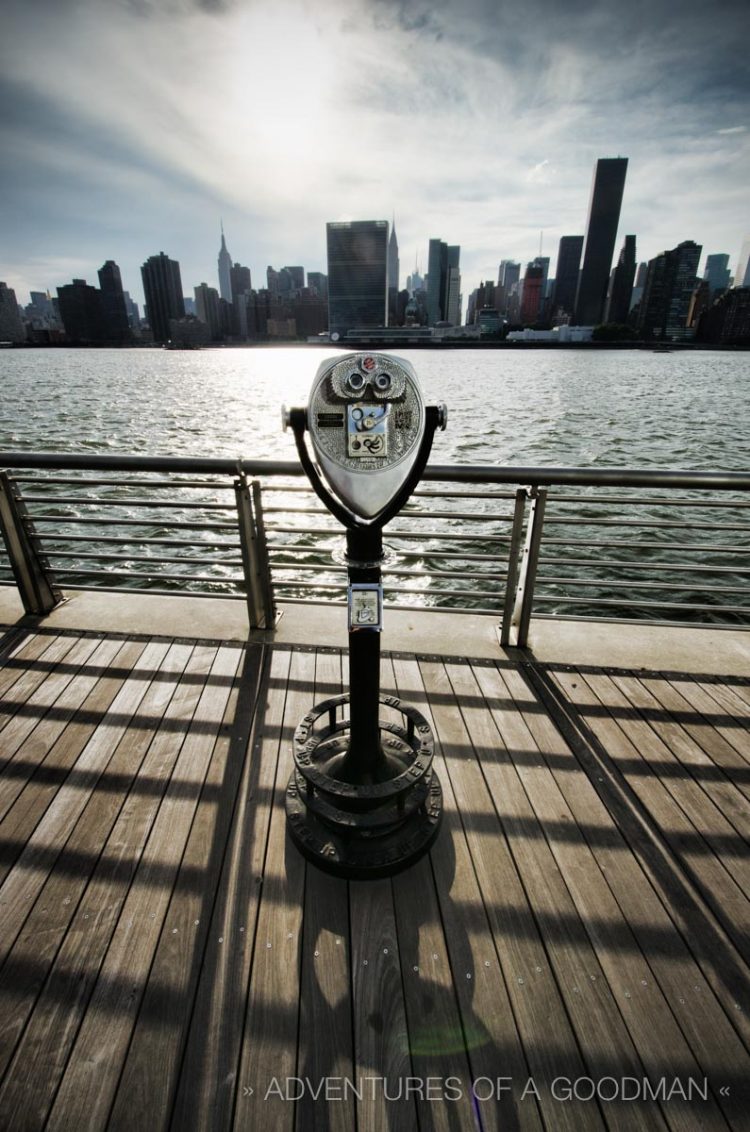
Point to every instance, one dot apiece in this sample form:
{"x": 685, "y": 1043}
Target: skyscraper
{"x": 11, "y": 327}
{"x": 533, "y": 285}
{"x": 716, "y": 273}
{"x": 622, "y": 284}
{"x": 601, "y": 232}
{"x": 357, "y": 274}
{"x": 241, "y": 293}
{"x": 162, "y": 290}
{"x": 671, "y": 280}
{"x": 82, "y": 312}
{"x": 393, "y": 265}
{"x": 225, "y": 267}
{"x": 443, "y": 283}
{"x": 566, "y": 275}
{"x": 113, "y": 301}
{"x": 207, "y": 309}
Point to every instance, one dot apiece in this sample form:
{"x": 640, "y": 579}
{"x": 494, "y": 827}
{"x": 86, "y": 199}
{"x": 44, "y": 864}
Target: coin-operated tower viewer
{"x": 363, "y": 799}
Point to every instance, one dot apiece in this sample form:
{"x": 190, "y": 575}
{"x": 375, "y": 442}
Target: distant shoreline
{"x": 390, "y": 344}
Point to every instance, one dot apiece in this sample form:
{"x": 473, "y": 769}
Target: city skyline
{"x": 135, "y": 127}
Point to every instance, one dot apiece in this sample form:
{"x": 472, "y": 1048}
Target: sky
{"x": 130, "y": 127}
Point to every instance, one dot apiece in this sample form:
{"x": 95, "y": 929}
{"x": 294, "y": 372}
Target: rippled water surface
{"x": 552, "y": 407}
{"x": 548, "y": 408}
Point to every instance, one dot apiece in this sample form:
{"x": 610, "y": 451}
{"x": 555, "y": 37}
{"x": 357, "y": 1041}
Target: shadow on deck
{"x": 572, "y": 954}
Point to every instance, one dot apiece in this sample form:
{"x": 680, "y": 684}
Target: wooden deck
{"x": 169, "y": 961}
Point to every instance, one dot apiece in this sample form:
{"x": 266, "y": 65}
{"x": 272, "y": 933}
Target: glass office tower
{"x": 357, "y": 275}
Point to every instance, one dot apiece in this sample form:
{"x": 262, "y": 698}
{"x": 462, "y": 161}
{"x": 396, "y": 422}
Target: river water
{"x": 630, "y": 408}
{"x": 554, "y": 408}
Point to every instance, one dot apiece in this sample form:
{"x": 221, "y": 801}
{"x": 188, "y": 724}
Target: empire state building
{"x": 225, "y": 269}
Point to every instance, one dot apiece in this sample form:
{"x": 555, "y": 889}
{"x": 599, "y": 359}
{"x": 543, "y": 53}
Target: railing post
{"x": 524, "y": 596}
{"x": 511, "y": 580}
{"x": 260, "y": 603}
{"x": 38, "y": 591}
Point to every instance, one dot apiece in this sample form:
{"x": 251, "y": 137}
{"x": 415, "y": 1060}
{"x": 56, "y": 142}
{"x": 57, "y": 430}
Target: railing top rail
{"x": 454, "y": 473}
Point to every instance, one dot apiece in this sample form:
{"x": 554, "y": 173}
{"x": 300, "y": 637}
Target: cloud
{"x": 135, "y": 125}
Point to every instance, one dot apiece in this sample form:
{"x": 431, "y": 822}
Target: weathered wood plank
{"x": 47, "y": 1041}
{"x": 208, "y": 1075}
{"x": 35, "y": 749}
{"x": 549, "y": 1042}
{"x": 101, "y": 846}
{"x": 382, "y": 1057}
{"x": 644, "y": 1010}
{"x": 721, "y": 738}
{"x": 504, "y": 748}
{"x": 87, "y": 1089}
{"x": 669, "y": 988}
{"x": 25, "y": 880}
{"x": 149, "y": 1075}
{"x": 493, "y": 1044}
{"x": 683, "y": 902}
{"x": 26, "y": 708}
{"x": 324, "y": 1055}
{"x": 729, "y": 797}
{"x": 269, "y": 1044}
{"x": 28, "y": 808}
{"x": 25, "y": 666}
{"x": 630, "y": 748}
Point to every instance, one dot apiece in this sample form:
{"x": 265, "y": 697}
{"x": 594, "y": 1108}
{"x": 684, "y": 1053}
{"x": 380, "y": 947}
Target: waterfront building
{"x": 716, "y": 273}
{"x": 207, "y": 309}
{"x": 566, "y": 277}
{"x": 225, "y": 270}
{"x": 11, "y": 326}
{"x": 601, "y": 232}
{"x": 113, "y": 302}
{"x": 621, "y": 287}
{"x": 670, "y": 282}
{"x": 188, "y": 333}
{"x": 727, "y": 320}
{"x": 357, "y": 274}
{"x": 162, "y": 290}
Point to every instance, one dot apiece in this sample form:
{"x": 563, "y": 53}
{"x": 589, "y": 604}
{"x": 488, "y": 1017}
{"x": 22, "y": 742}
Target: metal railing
{"x": 511, "y": 542}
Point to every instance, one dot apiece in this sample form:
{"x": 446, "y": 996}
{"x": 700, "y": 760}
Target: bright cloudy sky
{"x": 131, "y": 127}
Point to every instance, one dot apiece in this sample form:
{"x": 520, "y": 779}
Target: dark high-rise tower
{"x": 357, "y": 274}
{"x": 566, "y": 275}
{"x": 162, "y": 290}
{"x": 601, "y": 233}
{"x": 622, "y": 284}
{"x": 113, "y": 301}
{"x": 82, "y": 312}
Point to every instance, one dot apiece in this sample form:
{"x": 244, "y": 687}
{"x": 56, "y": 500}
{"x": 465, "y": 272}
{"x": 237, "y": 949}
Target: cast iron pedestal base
{"x": 363, "y": 829}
